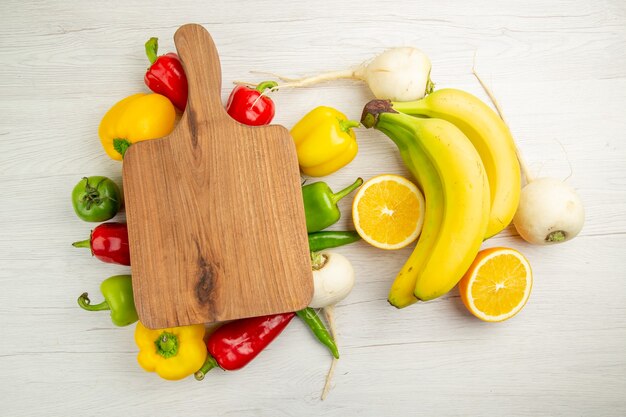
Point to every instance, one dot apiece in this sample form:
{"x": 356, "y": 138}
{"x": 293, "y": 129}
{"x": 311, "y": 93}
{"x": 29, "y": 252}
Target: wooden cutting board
{"x": 214, "y": 210}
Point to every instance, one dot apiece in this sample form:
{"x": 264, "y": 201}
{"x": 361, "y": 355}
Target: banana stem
{"x": 524, "y": 168}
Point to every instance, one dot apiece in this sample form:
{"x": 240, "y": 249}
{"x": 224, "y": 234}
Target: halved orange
{"x": 497, "y": 285}
{"x": 388, "y": 211}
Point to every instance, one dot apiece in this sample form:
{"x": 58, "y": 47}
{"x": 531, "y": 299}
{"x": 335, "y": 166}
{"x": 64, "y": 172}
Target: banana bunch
{"x": 458, "y": 150}
{"x": 491, "y": 138}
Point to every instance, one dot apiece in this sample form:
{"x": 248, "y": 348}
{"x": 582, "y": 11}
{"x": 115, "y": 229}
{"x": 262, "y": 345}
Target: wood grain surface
{"x": 558, "y": 69}
{"x": 214, "y": 211}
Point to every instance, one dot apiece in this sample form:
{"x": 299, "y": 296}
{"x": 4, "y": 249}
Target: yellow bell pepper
{"x": 173, "y": 353}
{"x": 133, "y": 119}
{"x": 324, "y": 141}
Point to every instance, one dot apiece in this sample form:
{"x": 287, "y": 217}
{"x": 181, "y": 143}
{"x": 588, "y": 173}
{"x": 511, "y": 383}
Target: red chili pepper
{"x": 246, "y": 105}
{"x": 166, "y": 75}
{"x": 109, "y": 243}
{"x": 233, "y": 345}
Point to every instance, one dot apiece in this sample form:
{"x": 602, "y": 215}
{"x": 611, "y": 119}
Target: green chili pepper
{"x": 331, "y": 239}
{"x": 118, "y": 297}
{"x": 311, "y": 319}
{"x": 320, "y": 204}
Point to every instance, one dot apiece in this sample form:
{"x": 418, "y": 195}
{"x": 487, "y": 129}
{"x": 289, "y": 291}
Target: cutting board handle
{"x": 201, "y": 62}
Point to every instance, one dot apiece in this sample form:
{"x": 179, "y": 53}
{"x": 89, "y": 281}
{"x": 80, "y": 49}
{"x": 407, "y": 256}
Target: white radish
{"x": 333, "y": 278}
{"x": 397, "y": 74}
{"x": 549, "y": 210}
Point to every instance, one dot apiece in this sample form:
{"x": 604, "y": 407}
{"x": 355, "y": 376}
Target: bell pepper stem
{"x": 121, "y": 146}
{"x": 346, "y": 125}
{"x": 92, "y": 195}
{"x": 85, "y": 243}
{"x": 209, "y": 363}
{"x": 152, "y": 47}
{"x": 341, "y": 194}
{"x": 166, "y": 345}
{"x": 82, "y": 244}
{"x": 85, "y": 303}
{"x": 265, "y": 85}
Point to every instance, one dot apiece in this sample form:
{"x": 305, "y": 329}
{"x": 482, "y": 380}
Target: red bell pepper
{"x": 109, "y": 243}
{"x": 166, "y": 75}
{"x": 247, "y": 106}
{"x": 233, "y": 345}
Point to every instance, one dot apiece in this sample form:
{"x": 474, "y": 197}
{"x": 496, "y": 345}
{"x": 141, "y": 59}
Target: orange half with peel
{"x": 388, "y": 211}
{"x": 497, "y": 285}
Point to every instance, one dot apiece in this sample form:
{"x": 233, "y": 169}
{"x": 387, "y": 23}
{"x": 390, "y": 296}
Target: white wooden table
{"x": 559, "y": 70}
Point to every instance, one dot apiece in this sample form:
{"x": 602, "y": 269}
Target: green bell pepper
{"x": 96, "y": 199}
{"x": 320, "y": 204}
{"x": 118, "y": 297}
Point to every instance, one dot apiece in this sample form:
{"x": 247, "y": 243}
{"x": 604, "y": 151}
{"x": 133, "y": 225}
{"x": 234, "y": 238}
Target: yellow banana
{"x": 465, "y": 209}
{"x": 491, "y": 138}
{"x": 465, "y": 190}
{"x": 401, "y": 293}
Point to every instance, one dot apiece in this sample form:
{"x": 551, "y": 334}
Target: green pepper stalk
{"x": 209, "y": 363}
{"x": 118, "y": 298}
{"x": 320, "y": 204}
{"x": 314, "y": 322}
